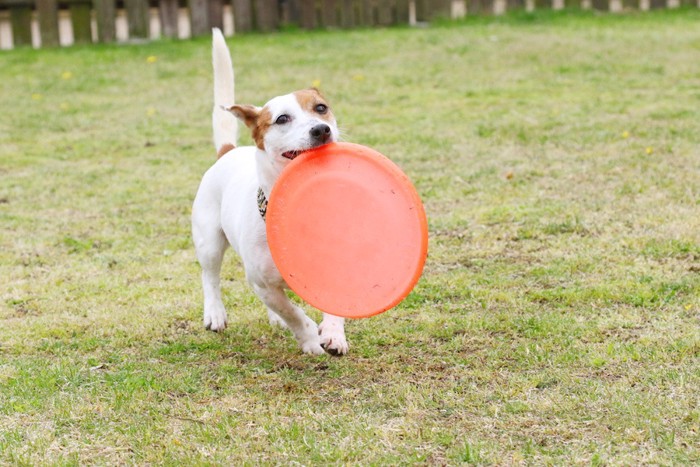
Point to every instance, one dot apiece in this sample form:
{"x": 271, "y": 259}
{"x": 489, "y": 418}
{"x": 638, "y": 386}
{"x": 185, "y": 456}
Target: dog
{"x": 229, "y": 207}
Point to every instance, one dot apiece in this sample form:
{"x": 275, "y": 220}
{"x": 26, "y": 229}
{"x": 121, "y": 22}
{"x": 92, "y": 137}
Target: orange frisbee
{"x": 347, "y": 230}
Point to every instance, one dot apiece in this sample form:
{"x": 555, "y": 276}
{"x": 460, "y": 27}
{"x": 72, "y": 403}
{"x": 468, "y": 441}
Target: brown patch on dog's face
{"x": 312, "y": 101}
{"x": 263, "y": 124}
{"x": 255, "y": 118}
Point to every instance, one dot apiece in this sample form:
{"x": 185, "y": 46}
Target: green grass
{"x": 558, "y": 318}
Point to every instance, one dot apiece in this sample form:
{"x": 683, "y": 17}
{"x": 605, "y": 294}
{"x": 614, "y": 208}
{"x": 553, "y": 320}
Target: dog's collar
{"x": 262, "y": 203}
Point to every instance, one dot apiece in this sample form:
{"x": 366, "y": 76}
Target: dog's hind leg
{"x": 210, "y": 245}
{"x": 304, "y": 328}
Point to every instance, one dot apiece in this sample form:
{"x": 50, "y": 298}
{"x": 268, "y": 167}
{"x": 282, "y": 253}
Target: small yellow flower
{"x": 688, "y": 306}
{"x": 66, "y": 75}
{"x": 152, "y": 59}
{"x": 625, "y": 134}
{"x": 150, "y": 111}
{"x": 37, "y": 97}
{"x": 64, "y": 106}
{"x": 316, "y": 83}
{"x": 359, "y": 77}
{"x": 649, "y": 150}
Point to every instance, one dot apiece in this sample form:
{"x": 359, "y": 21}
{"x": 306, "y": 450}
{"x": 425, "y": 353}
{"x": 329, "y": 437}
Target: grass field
{"x": 558, "y": 318}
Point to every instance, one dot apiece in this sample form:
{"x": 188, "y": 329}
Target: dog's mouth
{"x": 291, "y": 155}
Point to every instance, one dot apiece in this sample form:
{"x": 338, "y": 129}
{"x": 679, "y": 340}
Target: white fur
{"x": 224, "y": 123}
{"x": 225, "y": 211}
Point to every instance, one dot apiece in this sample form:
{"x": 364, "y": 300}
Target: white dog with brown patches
{"x": 230, "y": 202}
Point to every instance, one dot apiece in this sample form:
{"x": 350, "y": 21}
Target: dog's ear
{"x": 248, "y": 114}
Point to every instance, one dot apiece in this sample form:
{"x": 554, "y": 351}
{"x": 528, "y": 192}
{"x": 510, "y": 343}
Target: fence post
{"x": 347, "y": 14}
{"x": 168, "y": 14}
{"x": 80, "y": 12}
{"x": 105, "y": 14}
{"x": 289, "y": 13}
{"x": 329, "y": 13}
{"x": 137, "y": 17}
{"x": 515, "y": 5}
{"x": 385, "y": 13}
{"x": 402, "y": 12}
{"x": 369, "y": 12}
{"x": 21, "y": 21}
{"x": 47, "y": 11}
{"x": 242, "y": 16}
{"x": 199, "y": 17}
{"x": 444, "y": 9}
{"x": 421, "y": 10}
{"x": 267, "y": 15}
{"x": 215, "y": 15}
{"x": 307, "y": 13}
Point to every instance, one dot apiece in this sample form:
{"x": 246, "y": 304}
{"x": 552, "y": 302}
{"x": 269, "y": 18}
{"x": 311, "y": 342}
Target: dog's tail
{"x": 224, "y": 123}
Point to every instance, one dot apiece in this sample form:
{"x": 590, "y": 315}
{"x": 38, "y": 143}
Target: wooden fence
{"x": 64, "y": 22}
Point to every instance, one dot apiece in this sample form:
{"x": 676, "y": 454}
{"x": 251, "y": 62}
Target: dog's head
{"x": 291, "y": 124}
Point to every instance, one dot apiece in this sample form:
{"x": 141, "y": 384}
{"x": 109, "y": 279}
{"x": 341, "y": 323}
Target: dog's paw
{"x": 215, "y": 321}
{"x": 336, "y": 347}
{"x": 307, "y": 336}
{"x": 312, "y": 348}
{"x": 333, "y": 340}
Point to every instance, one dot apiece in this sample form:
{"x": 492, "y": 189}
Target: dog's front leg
{"x": 332, "y": 332}
{"x": 275, "y": 319}
{"x": 304, "y": 328}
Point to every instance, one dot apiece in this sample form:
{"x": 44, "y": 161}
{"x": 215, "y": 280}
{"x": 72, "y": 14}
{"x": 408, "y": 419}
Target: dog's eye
{"x": 321, "y": 108}
{"x": 282, "y": 119}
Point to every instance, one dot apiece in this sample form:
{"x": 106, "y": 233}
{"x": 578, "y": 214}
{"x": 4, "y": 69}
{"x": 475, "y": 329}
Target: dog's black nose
{"x": 320, "y": 133}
